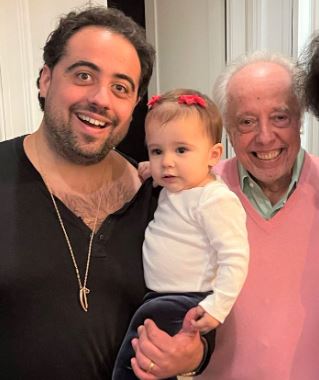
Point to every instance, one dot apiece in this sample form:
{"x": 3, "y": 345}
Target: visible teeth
{"x": 98, "y": 123}
{"x": 268, "y": 155}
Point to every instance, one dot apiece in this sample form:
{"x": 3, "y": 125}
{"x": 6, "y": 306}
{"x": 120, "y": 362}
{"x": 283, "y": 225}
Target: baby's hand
{"x": 198, "y": 319}
{"x": 144, "y": 170}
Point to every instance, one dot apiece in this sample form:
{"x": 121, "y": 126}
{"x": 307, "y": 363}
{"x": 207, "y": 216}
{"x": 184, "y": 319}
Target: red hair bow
{"x": 192, "y": 99}
{"x": 182, "y": 99}
{"x": 154, "y": 99}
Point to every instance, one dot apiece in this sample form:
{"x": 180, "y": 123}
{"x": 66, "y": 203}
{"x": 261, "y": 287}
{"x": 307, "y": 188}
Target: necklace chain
{"x": 83, "y": 290}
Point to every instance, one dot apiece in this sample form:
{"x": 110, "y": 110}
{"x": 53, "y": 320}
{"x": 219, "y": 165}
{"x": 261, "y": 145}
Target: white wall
{"x": 189, "y": 39}
{"x": 194, "y": 38}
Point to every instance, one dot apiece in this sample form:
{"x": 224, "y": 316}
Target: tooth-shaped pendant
{"x": 83, "y": 298}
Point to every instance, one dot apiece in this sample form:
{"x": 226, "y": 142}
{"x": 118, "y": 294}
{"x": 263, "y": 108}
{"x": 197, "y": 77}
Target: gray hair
{"x": 220, "y": 94}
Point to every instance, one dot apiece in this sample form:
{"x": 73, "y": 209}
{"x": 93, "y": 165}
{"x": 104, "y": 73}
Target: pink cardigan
{"x": 272, "y": 332}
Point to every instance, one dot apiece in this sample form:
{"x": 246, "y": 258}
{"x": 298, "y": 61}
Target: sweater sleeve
{"x": 224, "y": 220}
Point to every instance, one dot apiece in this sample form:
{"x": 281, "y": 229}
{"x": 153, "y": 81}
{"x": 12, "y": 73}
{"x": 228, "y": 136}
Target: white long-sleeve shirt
{"x": 198, "y": 242}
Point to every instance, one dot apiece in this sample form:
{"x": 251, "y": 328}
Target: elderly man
{"x": 272, "y": 332}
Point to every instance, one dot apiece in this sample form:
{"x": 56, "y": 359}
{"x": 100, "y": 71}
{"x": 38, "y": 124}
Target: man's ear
{"x": 138, "y": 100}
{"x": 45, "y": 80}
{"x": 215, "y": 154}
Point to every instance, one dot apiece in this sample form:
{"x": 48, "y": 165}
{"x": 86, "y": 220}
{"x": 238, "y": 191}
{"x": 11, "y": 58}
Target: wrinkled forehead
{"x": 259, "y": 75}
{"x": 263, "y": 85}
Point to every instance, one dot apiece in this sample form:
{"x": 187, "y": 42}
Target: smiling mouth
{"x": 92, "y": 122}
{"x": 267, "y": 156}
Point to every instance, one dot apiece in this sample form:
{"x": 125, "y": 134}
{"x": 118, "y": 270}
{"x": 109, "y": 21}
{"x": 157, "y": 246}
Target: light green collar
{"x": 256, "y": 196}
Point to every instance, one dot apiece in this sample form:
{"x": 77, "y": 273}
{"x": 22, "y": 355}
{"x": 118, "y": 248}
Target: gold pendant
{"x": 83, "y": 298}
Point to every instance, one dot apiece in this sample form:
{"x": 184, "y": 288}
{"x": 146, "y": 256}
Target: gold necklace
{"x": 83, "y": 290}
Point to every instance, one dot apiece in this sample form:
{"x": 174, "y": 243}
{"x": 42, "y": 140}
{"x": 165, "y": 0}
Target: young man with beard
{"x": 73, "y": 215}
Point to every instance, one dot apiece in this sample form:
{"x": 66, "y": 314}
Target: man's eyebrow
{"x": 281, "y": 109}
{"x": 91, "y": 65}
{"x": 94, "y": 67}
{"x": 127, "y": 78}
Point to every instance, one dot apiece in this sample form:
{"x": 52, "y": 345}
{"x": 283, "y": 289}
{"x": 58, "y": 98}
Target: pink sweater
{"x": 272, "y": 332}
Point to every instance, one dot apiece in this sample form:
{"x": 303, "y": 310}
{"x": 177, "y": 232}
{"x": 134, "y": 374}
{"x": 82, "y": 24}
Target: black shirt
{"x": 44, "y": 333}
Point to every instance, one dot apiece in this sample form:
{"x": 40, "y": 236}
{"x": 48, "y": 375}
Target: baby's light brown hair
{"x": 168, "y": 106}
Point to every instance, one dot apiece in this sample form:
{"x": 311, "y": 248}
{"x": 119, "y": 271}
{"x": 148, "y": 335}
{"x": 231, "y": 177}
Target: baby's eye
{"x": 181, "y": 149}
{"x": 155, "y": 152}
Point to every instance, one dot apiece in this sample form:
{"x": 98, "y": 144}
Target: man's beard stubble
{"x": 63, "y": 141}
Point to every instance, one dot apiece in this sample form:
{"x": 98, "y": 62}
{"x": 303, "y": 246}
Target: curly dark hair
{"x": 113, "y": 20}
{"x": 309, "y": 82}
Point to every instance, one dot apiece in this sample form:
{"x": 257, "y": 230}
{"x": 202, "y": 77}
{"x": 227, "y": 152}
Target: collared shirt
{"x": 257, "y": 197}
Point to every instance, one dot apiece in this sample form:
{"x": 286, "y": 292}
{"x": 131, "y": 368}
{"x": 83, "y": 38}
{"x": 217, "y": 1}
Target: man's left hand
{"x": 159, "y": 355}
